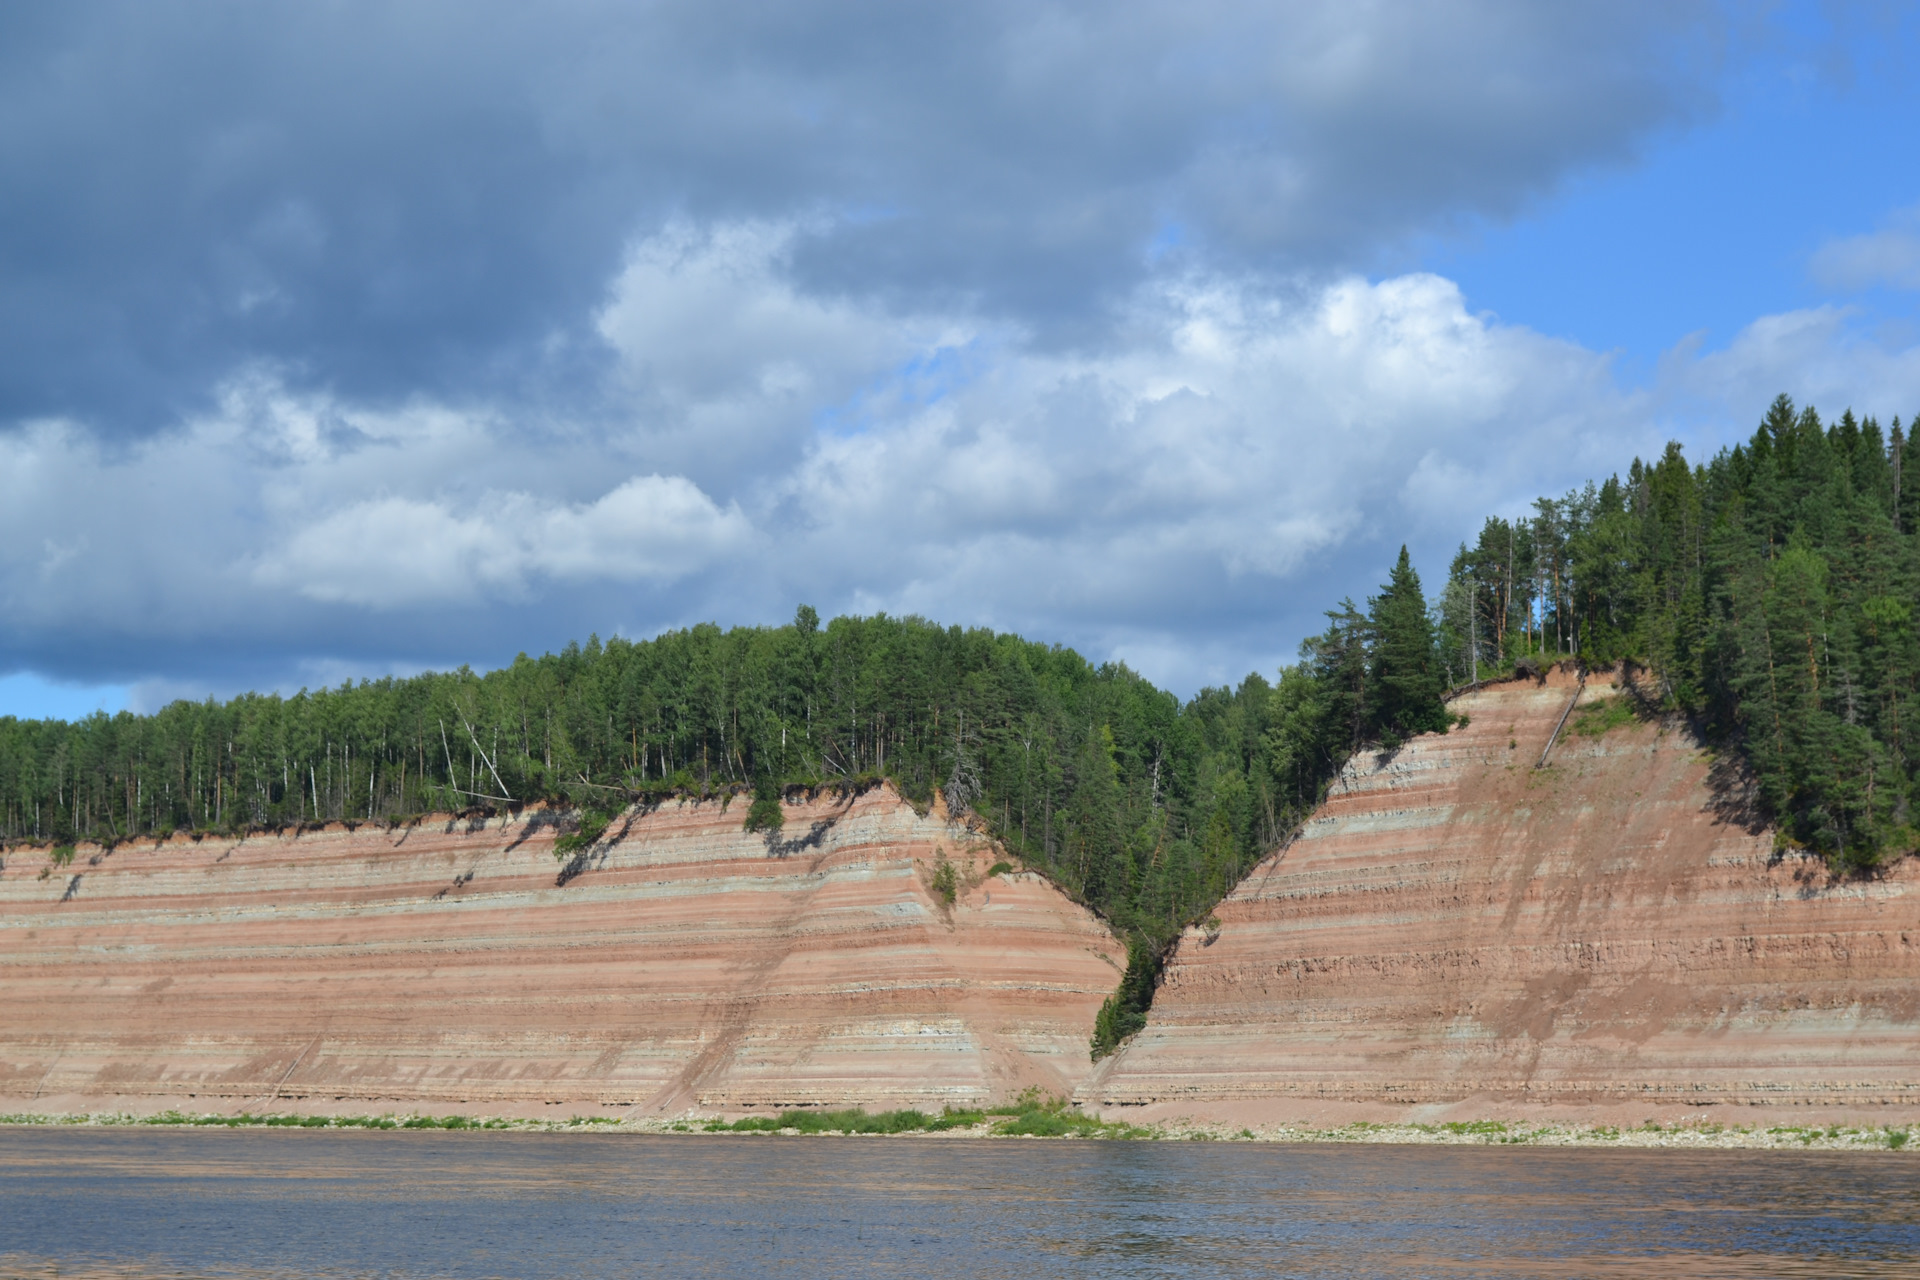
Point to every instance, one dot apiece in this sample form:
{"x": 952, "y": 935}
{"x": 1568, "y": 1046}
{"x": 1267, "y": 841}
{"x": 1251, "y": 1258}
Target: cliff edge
{"x": 1458, "y": 930}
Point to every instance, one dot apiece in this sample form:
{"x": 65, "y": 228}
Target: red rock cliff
{"x": 690, "y": 964}
{"x": 1455, "y": 923}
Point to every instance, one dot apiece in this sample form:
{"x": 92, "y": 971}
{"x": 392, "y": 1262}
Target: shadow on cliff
{"x": 816, "y": 835}
{"x": 594, "y": 856}
{"x": 1733, "y": 794}
{"x": 538, "y": 820}
{"x": 1733, "y": 790}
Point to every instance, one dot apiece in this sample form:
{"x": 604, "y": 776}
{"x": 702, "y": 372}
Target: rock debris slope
{"x": 685, "y": 964}
{"x": 1456, "y": 923}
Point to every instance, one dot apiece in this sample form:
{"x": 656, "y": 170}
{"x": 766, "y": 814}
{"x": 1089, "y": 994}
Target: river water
{"x": 258, "y": 1203}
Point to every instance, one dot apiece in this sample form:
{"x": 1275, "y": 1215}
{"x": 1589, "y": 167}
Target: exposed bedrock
{"x": 688, "y": 964}
{"x": 1456, "y": 923}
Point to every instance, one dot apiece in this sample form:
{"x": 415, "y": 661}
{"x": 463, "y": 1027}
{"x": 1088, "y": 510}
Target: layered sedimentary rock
{"x": 683, "y": 963}
{"x": 1457, "y": 922}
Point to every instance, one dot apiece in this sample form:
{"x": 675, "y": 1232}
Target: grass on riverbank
{"x": 246, "y": 1120}
{"x": 1835, "y": 1137}
{"x": 1032, "y": 1115}
{"x": 1029, "y": 1116}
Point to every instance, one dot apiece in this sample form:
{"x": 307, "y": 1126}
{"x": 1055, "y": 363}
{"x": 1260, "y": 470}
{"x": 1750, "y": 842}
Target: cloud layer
{"x": 350, "y": 338}
{"x": 1173, "y": 498}
{"x": 429, "y": 199}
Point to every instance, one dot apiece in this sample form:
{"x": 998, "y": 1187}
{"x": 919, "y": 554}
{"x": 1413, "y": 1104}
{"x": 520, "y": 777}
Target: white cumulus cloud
{"x": 1187, "y": 492}
{"x": 394, "y": 552}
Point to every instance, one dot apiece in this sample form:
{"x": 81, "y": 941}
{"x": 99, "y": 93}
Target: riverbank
{"x": 1052, "y": 1122}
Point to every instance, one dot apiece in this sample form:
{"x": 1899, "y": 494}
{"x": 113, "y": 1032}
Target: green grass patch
{"x": 850, "y": 1120}
{"x": 1030, "y": 1115}
{"x": 1474, "y": 1128}
{"x": 1034, "y": 1115}
{"x": 1592, "y": 719}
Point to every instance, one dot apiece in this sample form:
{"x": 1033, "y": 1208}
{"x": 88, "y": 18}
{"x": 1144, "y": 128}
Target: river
{"x": 152, "y": 1203}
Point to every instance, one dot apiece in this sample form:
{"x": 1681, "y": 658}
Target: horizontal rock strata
{"x": 684, "y": 963}
{"x": 1458, "y": 923}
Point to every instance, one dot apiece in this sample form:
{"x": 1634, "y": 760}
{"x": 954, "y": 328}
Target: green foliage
{"x": 1030, "y": 1115}
{"x": 999, "y": 869}
{"x": 1376, "y": 677}
{"x": 1593, "y": 719}
{"x": 61, "y": 855}
{"x": 1474, "y": 1128}
{"x": 855, "y": 1120}
{"x": 946, "y": 880}
{"x": 593, "y": 824}
{"x": 1144, "y": 809}
{"x": 767, "y": 813}
{"x": 1034, "y": 1115}
{"x": 1125, "y": 1011}
{"x": 1402, "y": 696}
{"x": 1770, "y": 591}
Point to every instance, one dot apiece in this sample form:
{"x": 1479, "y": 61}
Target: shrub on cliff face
{"x": 946, "y": 879}
{"x": 593, "y": 825}
{"x": 767, "y": 813}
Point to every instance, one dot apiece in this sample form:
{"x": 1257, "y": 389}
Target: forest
{"x": 1769, "y": 591}
{"x": 1143, "y": 808}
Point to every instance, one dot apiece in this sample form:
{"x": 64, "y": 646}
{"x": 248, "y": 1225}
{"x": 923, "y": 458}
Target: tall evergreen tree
{"x": 1403, "y": 695}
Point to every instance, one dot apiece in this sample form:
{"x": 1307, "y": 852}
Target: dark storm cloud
{"x": 430, "y": 199}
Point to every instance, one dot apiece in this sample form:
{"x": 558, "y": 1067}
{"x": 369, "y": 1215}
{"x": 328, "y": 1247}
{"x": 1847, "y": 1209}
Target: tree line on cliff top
{"x": 1770, "y": 591}
{"x": 1144, "y": 808}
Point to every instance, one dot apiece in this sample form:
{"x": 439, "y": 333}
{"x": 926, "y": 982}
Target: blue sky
{"x": 353, "y": 340}
{"x": 1718, "y": 223}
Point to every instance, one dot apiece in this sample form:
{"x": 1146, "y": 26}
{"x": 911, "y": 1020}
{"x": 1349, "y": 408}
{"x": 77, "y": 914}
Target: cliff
{"x": 1457, "y": 925}
{"x": 684, "y": 963}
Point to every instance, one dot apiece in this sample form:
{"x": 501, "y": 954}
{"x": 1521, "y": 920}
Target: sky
{"x": 351, "y": 339}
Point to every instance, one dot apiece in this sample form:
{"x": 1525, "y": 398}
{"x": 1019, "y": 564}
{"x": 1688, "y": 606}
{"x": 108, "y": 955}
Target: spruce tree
{"x": 1404, "y": 691}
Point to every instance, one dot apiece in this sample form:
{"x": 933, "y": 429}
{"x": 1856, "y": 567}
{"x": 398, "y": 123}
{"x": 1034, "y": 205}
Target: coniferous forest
{"x": 1770, "y": 592}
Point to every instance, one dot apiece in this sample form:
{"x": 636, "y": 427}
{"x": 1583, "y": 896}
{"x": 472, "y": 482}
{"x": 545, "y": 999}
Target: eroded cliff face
{"x": 685, "y": 964}
{"x": 1455, "y": 923}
